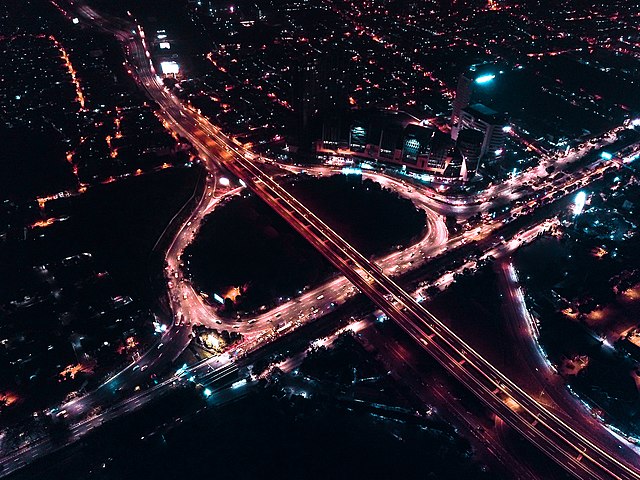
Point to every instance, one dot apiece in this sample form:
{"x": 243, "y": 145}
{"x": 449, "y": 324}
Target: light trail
{"x": 558, "y": 438}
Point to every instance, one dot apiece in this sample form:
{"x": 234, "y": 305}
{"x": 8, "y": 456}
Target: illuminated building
{"x": 218, "y": 11}
{"x": 390, "y": 139}
{"x": 332, "y": 138}
{"x": 358, "y": 136}
{"x": 169, "y": 68}
{"x": 395, "y": 138}
{"x": 469, "y": 144}
{"x": 477, "y": 77}
{"x": 489, "y": 122}
{"x": 416, "y": 145}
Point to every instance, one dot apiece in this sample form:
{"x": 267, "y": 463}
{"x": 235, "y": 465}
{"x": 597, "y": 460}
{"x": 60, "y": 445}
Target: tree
{"x": 452, "y": 223}
{"x": 228, "y": 305}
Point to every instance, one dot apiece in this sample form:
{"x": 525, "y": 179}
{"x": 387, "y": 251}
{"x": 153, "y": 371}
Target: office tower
{"x": 491, "y": 123}
{"x": 319, "y": 88}
{"x": 416, "y": 142}
{"x": 358, "y": 136}
{"x": 469, "y": 144}
{"x": 470, "y": 84}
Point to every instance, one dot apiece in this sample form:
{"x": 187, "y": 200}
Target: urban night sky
{"x": 319, "y": 239}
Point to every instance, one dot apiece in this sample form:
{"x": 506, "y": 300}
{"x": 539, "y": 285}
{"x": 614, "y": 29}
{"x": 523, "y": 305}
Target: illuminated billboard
{"x": 170, "y": 68}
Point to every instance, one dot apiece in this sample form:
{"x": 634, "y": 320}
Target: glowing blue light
{"x": 207, "y": 392}
{"x": 606, "y": 156}
{"x": 485, "y": 78}
{"x": 159, "y": 328}
{"x": 351, "y": 171}
{"x": 218, "y": 298}
{"x": 380, "y": 317}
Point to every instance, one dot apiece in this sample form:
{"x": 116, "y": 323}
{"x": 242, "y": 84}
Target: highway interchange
{"x": 575, "y": 447}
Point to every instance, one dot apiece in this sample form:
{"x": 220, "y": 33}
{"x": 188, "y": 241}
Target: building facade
{"x": 492, "y": 124}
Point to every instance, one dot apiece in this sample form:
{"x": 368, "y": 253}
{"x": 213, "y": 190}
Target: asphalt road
{"x": 575, "y": 451}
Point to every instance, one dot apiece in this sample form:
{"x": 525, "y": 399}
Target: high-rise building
{"x": 428, "y": 149}
{"x": 469, "y": 144}
{"x": 390, "y": 140}
{"x": 455, "y": 166}
{"x": 319, "y": 87}
{"x": 395, "y": 138}
{"x": 358, "y": 136}
{"x": 439, "y": 155}
{"x": 463, "y": 96}
{"x": 491, "y": 123}
{"x": 416, "y": 143}
{"x": 470, "y": 82}
{"x": 331, "y": 129}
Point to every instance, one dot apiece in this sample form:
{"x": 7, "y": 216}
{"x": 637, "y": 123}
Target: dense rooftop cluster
{"x": 71, "y": 119}
{"x": 282, "y": 71}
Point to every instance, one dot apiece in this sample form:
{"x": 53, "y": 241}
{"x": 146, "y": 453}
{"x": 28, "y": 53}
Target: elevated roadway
{"x": 562, "y": 441}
